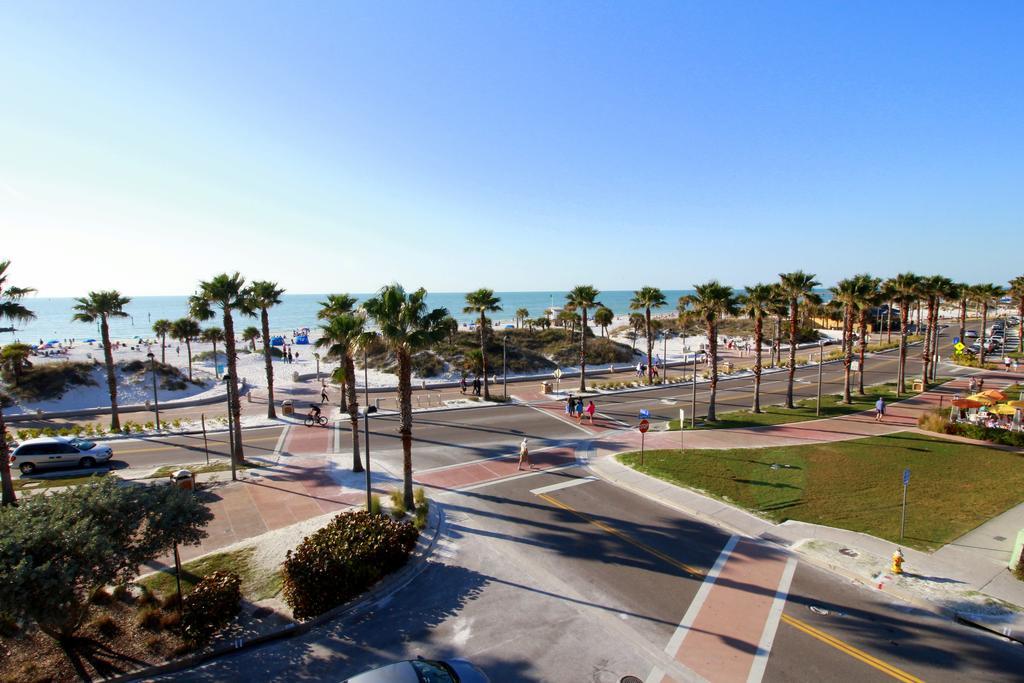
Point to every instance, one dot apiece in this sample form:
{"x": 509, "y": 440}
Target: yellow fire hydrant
{"x": 897, "y": 562}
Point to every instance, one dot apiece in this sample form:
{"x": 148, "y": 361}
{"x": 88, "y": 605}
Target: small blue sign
{"x": 906, "y": 477}
{"x": 644, "y": 412}
{"x": 956, "y": 340}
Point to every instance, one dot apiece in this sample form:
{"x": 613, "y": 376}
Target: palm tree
{"x": 250, "y": 335}
{"x": 185, "y": 330}
{"x": 797, "y": 288}
{"x": 603, "y": 317}
{"x": 963, "y": 298}
{"x": 868, "y": 295}
{"x": 483, "y": 301}
{"x": 933, "y": 290}
{"x": 103, "y": 306}
{"x": 521, "y": 315}
{"x": 228, "y": 293}
{"x": 11, "y": 309}
{"x": 637, "y": 323}
{"x": 644, "y": 299}
{"x": 846, "y": 296}
{"x": 212, "y": 335}
{"x": 903, "y": 289}
{"x": 336, "y": 304}
{"x": 567, "y": 318}
{"x": 779, "y": 310}
{"x": 340, "y": 336}
{"x": 406, "y": 326}
{"x": 1017, "y": 292}
{"x": 451, "y": 327}
{"x": 756, "y": 303}
{"x": 161, "y": 328}
{"x": 985, "y": 294}
{"x": 261, "y": 296}
{"x": 710, "y": 303}
{"x": 581, "y": 298}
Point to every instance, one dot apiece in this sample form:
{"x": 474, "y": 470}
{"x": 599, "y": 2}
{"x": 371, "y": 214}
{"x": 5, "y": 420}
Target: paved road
{"x": 591, "y": 583}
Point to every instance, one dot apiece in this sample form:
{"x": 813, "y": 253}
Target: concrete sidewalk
{"x": 967, "y": 578}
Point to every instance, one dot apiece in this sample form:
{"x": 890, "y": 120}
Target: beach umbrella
{"x": 1004, "y": 409}
{"x": 966, "y": 403}
{"x": 982, "y": 399}
{"x": 1016, "y": 404}
{"x": 89, "y": 341}
{"x": 994, "y": 393}
{"x": 54, "y": 341}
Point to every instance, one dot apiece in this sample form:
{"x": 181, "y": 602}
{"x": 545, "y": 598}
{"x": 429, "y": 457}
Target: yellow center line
{"x": 832, "y": 641}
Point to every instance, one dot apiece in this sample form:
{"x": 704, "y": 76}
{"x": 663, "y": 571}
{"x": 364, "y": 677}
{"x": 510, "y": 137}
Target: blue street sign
{"x": 644, "y": 412}
{"x": 906, "y": 477}
{"x": 956, "y": 340}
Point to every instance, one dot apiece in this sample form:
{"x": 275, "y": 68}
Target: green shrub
{"x": 343, "y": 559}
{"x": 397, "y": 504}
{"x": 374, "y": 504}
{"x": 146, "y": 597}
{"x": 934, "y": 421}
{"x": 419, "y": 496}
{"x": 213, "y": 603}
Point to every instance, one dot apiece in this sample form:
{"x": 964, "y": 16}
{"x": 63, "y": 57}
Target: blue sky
{"x": 529, "y": 145}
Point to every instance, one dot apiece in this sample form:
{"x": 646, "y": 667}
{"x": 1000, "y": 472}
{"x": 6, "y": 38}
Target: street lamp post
{"x": 693, "y": 396}
{"x": 366, "y": 438}
{"x": 231, "y": 432}
{"x": 504, "y": 363}
{"x": 156, "y": 400}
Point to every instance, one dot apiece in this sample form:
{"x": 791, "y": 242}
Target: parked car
{"x": 970, "y": 334}
{"x": 58, "y": 451}
{"x": 424, "y": 671}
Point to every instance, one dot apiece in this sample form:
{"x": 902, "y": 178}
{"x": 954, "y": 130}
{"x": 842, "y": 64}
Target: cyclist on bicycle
{"x": 314, "y": 411}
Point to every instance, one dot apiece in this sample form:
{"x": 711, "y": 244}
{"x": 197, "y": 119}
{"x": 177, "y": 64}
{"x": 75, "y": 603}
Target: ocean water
{"x": 53, "y": 315}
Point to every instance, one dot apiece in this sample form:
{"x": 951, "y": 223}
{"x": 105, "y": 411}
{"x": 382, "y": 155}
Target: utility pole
{"x": 821, "y": 362}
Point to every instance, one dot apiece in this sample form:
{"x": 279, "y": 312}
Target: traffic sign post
{"x": 682, "y": 426}
{"x": 557, "y": 374}
{"x": 643, "y": 427}
{"x": 903, "y": 515}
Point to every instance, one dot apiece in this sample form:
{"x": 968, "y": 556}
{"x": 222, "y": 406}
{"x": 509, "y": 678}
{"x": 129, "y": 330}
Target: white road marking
{"x": 505, "y": 480}
{"x": 564, "y": 421}
{"x": 280, "y": 440}
{"x": 563, "y": 485}
{"x": 676, "y": 641}
{"x": 764, "y": 647}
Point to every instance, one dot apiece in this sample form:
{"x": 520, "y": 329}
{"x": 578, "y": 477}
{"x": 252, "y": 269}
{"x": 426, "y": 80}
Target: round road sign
{"x": 644, "y": 426}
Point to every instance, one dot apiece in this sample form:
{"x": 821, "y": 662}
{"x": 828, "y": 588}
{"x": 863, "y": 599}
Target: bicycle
{"x": 318, "y": 420}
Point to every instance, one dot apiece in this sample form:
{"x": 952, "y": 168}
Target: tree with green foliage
{"x": 56, "y": 550}
{"x": 162, "y": 328}
{"x": 521, "y": 315}
{"x": 340, "y": 336}
{"x": 603, "y": 317}
{"x": 637, "y": 324}
{"x": 903, "y": 288}
{"x": 260, "y": 297}
{"x": 13, "y": 311}
{"x": 229, "y": 294}
{"x": 709, "y": 303}
{"x": 185, "y": 330}
{"x": 1016, "y": 291}
{"x": 405, "y": 327}
{"x": 335, "y": 305}
{"x": 581, "y": 298}
{"x": 868, "y": 296}
{"x": 212, "y": 336}
{"x": 103, "y": 306}
{"x": 756, "y": 303}
{"x": 482, "y": 302}
{"x": 250, "y": 335}
{"x": 645, "y": 299}
{"x": 985, "y": 295}
{"x": 844, "y": 294}
{"x": 797, "y": 288}
{"x": 14, "y": 362}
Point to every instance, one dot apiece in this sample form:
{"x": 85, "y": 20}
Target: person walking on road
{"x": 973, "y": 385}
{"x": 524, "y": 455}
{"x": 323, "y": 393}
{"x": 879, "y": 409}
{"x": 591, "y": 409}
{"x": 463, "y": 385}
{"x": 570, "y": 405}
{"x": 476, "y": 386}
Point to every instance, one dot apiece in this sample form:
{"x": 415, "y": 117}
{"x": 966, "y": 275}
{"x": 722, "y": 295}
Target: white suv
{"x": 58, "y": 451}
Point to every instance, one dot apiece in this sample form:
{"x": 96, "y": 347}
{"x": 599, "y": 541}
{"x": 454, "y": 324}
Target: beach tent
{"x": 966, "y": 403}
{"x": 301, "y": 339}
{"x": 54, "y": 341}
{"x": 277, "y": 341}
{"x": 88, "y": 341}
{"x": 994, "y": 393}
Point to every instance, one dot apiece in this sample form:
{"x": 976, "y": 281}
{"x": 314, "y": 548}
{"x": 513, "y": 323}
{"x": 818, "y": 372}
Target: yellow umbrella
{"x": 1016, "y": 404}
{"x": 982, "y": 398}
{"x": 1004, "y": 409}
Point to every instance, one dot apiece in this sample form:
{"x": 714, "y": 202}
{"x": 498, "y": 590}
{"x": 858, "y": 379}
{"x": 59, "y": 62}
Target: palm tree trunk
{"x": 1020, "y": 332}
{"x": 353, "y": 409}
{"x": 405, "y": 424}
{"x": 758, "y": 338}
{"x": 583, "y": 350}
{"x": 650, "y": 346}
{"x": 963, "y": 319}
{"x": 6, "y": 482}
{"x": 268, "y": 362}
{"x": 234, "y": 404}
{"x": 188, "y": 350}
{"x": 215, "y": 372}
{"x": 483, "y": 356}
{"x": 713, "y": 352}
{"x": 163, "y": 349}
{"x": 793, "y": 315}
{"x": 863, "y": 349}
{"x": 901, "y": 373}
{"x": 888, "y": 323}
{"x": 926, "y": 348}
{"x": 108, "y": 359}
{"x": 847, "y": 353}
{"x": 984, "y": 324}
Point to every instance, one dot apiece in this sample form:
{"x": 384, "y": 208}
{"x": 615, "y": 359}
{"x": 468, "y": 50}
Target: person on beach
{"x": 591, "y": 409}
{"x": 524, "y": 455}
{"x": 463, "y": 385}
{"x": 879, "y": 409}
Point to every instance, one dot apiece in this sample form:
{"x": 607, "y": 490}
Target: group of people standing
{"x": 574, "y": 408}
{"x": 463, "y": 385}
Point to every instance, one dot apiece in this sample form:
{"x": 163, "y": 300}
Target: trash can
{"x": 918, "y": 385}
{"x": 184, "y": 479}
{"x": 287, "y": 408}
{"x": 546, "y": 387}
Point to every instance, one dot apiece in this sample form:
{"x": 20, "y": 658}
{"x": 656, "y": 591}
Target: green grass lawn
{"x": 29, "y": 483}
{"x": 216, "y": 466}
{"x": 831, "y": 406}
{"x": 256, "y": 585}
{"x": 856, "y": 484}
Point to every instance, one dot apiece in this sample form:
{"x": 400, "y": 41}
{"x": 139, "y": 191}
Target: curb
{"x": 387, "y": 586}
